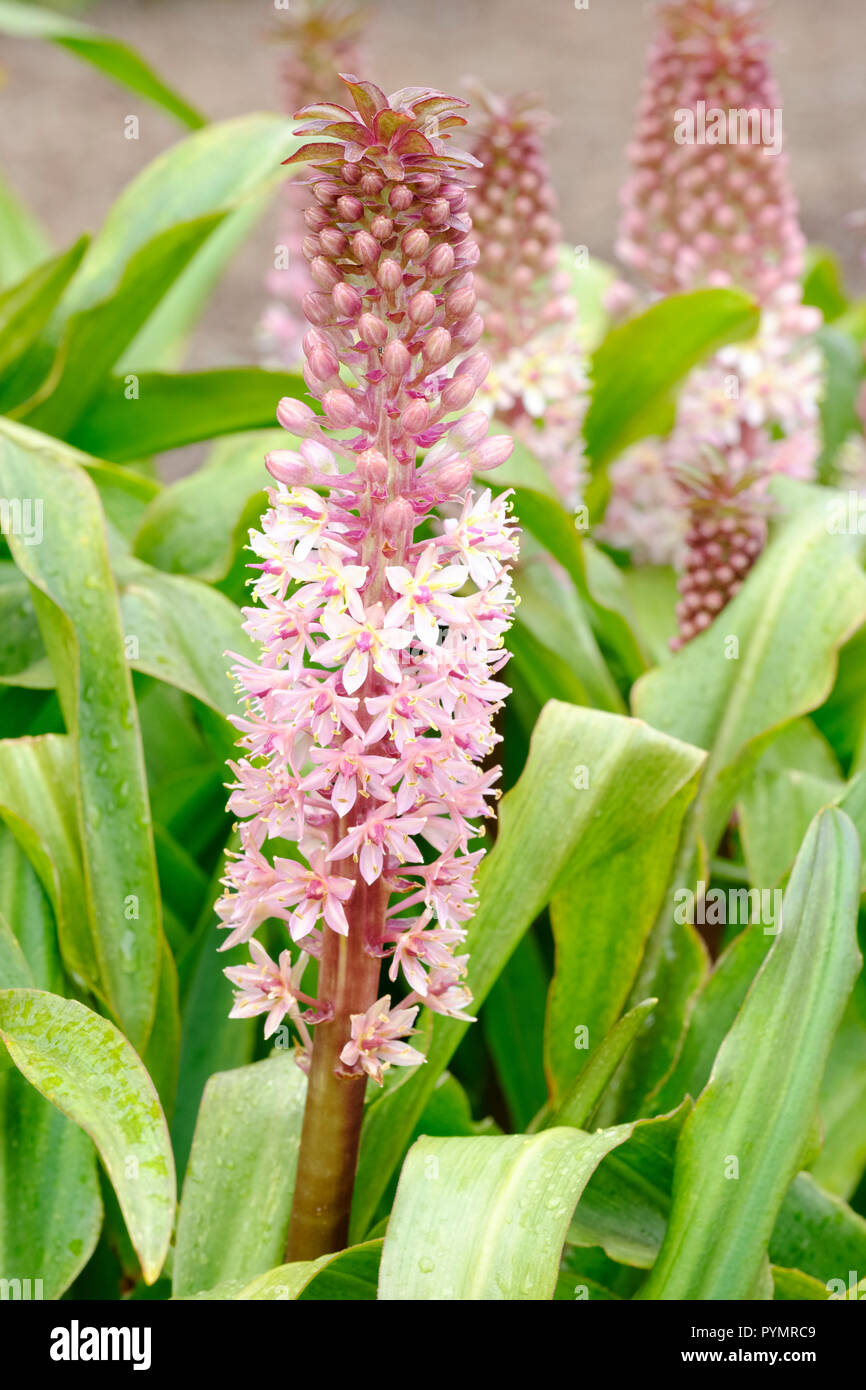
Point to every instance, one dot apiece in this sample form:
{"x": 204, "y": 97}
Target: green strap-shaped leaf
{"x": 193, "y": 526}
{"x": 77, "y": 606}
{"x": 487, "y": 1218}
{"x": 25, "y": 308}
{"x": 171, "y": 411}
{"x": 117, "y": 60}
{"x": 37, "y": 802}
{"x": 602, "y": 913}
{"x": 87, "y": 1069}
{"x": 550, "y": 823}
{"x": 160, "y": 222}
{"x": 637, "y": 367}
{"x": 731, "y": 691}
{"x": 742, "y": 1145}
{"x": 50, "y": 1208}
{"x": 583, "y": 1096}
{"x": 237, "y": 1196}
{"x": 348, "y": 1276}
{"x": 23, "y": 243}
{"x": 179, "y": 630}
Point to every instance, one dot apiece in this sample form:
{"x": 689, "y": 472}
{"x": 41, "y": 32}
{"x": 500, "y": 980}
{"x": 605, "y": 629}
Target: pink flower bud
{"x": 334, "y": 242}
{"x": 323, "y": 363}
{"x": 457, "y": 393}
{"x": 317, "y": 218}
{"x": 366, "y": 248}
{"x": 422, "y": 307}
{"x": 347, "y": 300}
{"x": 415, "y": 244}
{"x": 349, "y": 208}
{"x": 437, "y": 212}
{"x": 460, "y": 303}
{"x": 373, "y": 330}
{"x": 415, "y": 416}
{"x": 318, "y": 307}
{"x": 437, "y": 347}
{"x": 440, "y": 261}
{"x": 390, "y": 275}
{"x": 466, "y": 433}
{"x": 491, "y": 453}
{"x": 381, "y": 227}
{"x": 400, "y": 197}
{"x": 325, "y": 275}
{"x": 293, "y": 415}
{"x": 340, "y": 410}
{"x": 288, "y": 467}
{"x": 396, "y": 359}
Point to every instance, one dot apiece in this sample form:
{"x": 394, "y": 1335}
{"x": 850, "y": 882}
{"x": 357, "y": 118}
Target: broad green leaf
{"x": 37, "y": 802}
{"x": 713, "y": 1012}
{"x": 26, "y": 908}
{"x": 843, "y": 374}
{"x": 192, "y": 527}
{"x": 758, "y": 1107}
{"x": 842, "y": 717}
{"x": 774, "y": 810}
{"x": 637, "y": 367}
{"x": 823, "y": 284}
{"x": 546, "y": 674}
{"x": 23, "y": 243}
{"x": 179, "y": 630}
{"x": 77, "y": 605}
{"x": 25, "y": 308}
{"x": 211, "y": 1041}
{"x": 117, "y": 60}
{"x": 14, "y": 971}
{"x": 486, "y": 1218}
{"x": 818, "y": 1233}
{"x": 50, "y": 1208}
{"x": 87, "y": 1069}
{"x": 731, "y": 691}
{"x": 154, "y": 229}
{"x": 549, "y": 826}
{"x": 737, "y": 684}
{"x": 551, "y": 525}
{"x": 555, "y": 626}
{"x": 627, "y": 1200}
{"x": 652, "y": 591}
{"x": 602, "y": 913}
{"x": 171, "y": 411}
{"x": 162, "y": 343}
{"x": 582, "y": 1098}
{"x": 840, "y": 1165}
{"x": 792, "y": 1285}
{"x": 513, "y": 1024}
{"x": 237, "y": 1195}
{"x": 346, "y": 1276}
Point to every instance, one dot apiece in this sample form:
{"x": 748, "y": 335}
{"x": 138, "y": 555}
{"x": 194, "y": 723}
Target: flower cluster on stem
{"x": 537, "y": 385}
{"x": 716, "y": 213}
{"x": 369, "y": 713}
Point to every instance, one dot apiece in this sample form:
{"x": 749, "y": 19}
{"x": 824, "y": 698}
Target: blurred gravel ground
{"x": 61, "y": 123}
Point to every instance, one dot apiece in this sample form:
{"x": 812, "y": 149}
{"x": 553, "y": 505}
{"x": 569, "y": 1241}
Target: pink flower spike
{"x": 368, "y": 712}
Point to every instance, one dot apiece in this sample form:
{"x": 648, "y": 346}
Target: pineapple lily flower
{"x": 371, "y": 707}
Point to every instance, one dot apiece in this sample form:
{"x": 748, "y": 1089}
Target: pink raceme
{"x": 709, "y": 204}
{"x": 369, "y": 712}
{"x": 537, "y": 385}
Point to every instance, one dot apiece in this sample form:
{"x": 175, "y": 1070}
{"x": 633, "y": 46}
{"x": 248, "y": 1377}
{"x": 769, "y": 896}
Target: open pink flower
{"x": 375, "y": 1044}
